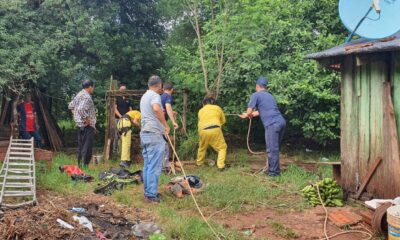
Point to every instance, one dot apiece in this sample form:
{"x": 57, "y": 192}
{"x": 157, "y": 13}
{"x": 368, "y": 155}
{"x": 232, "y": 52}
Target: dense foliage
{"x": 55, "y": 43}
{"x": 268, "y": 38}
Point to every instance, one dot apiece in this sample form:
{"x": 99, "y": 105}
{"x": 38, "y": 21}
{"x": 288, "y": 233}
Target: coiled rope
{"x": 326, "y": 222}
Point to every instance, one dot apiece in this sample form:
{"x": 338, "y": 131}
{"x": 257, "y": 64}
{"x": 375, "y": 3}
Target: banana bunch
{"x": 329, "y": 190}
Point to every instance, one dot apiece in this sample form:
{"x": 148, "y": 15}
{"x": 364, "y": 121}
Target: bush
{"x": 188, "y": 146}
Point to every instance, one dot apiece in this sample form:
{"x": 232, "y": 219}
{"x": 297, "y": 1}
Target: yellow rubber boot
{"x": 126, "y": 139}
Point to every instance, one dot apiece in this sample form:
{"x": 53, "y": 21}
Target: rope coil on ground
{"x": 326, "y": 222}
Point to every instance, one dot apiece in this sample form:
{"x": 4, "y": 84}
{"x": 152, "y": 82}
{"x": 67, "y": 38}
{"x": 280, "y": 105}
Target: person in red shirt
{"x": 28, "y": 126}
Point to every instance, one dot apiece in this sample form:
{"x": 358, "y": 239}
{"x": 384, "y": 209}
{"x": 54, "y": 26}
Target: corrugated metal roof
{"x": 360, "y": 46}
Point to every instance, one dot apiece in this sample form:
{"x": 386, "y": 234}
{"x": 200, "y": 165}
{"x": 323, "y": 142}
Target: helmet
{"x": 194, "y": 181}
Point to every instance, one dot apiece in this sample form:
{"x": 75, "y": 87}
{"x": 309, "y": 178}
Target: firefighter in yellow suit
{"x": 211, "y": 119}
{"x": 124, "y": 126}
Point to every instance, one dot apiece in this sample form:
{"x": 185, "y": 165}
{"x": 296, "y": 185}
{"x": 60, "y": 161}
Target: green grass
{"x": 59, "y": 182}
{"x": 235, "y": 189}
{"x": 282, "y": 231}
{"x": 180, "y": 226}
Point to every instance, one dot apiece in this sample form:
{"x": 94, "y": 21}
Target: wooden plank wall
{"x": 396, "y": 88}
{"x": 349, "y": 127}
{"x": 395, "y": 164}
{"x": 364, "y": 144}
{"x": 378, "y": 72}
{"x": 389, "y": 186}
{"x": 367, "y": 123}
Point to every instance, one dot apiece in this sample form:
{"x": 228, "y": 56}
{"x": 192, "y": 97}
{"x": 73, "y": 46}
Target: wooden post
{"x": 14, "y": 110}
{"x": 106, "y": 134}
{"x": 185, "y": 108}
{"x": 4, "y": 110}
{"x": 110, "y": 123}
{"x": 107, "y": 153}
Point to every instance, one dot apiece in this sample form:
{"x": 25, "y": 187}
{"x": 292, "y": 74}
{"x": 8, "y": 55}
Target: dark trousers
{"x": 35, "y": 134}
{"x": 273, "y": 138}
{"x": 85, "y": 145}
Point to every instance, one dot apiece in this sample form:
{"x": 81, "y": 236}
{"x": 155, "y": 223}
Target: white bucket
{"x": 393, "y": 219}
{"x": 97, "y": 159}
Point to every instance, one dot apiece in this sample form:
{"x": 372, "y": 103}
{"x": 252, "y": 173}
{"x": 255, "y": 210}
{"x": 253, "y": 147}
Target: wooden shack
{"x": 370, "y": 113}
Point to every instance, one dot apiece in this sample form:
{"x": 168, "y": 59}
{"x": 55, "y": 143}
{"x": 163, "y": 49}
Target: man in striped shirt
{"x": 84, "y": 111}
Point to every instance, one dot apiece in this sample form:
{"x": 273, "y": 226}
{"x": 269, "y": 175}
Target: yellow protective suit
{"x": 124, "y": 126}
{"x": 211, "y": 116}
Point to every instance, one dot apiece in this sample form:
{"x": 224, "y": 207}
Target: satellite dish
{"x": 371, "y": 19}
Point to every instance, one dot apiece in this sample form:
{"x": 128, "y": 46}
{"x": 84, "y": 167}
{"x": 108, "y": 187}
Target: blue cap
{"x": 262, "y": 81}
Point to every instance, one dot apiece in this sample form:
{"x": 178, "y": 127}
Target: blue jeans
{"x": 35, "y": 134}
{"x": 166, "y": 164}
{"x": 153, "y": 145}
{"x": 273, "y": 138}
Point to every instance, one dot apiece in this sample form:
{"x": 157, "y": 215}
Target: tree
{"x": 57, "y": 43}
{"x": 270, "y": 38}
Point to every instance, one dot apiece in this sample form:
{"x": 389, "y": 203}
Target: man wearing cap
{"x": 82, "y": 106}
{"x": 152, "y": 137}
{"x": 273, "y": 122}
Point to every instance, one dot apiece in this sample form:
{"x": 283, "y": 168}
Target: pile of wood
{"x": 49, "y": 127}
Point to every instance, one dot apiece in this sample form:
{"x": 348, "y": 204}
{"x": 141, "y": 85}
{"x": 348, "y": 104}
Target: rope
{"x": 191, "y": 192}
{"x": 172, "y": 165}
{"x": 248, "y": 146}
{"x": 248, "y": 135}
{"x": 326, "y": 222}
{"x": 183, "y": 128}
{"x": 248, "y": 141}
{"x": 326, "y": 213}
{"x": 173, "y": 155}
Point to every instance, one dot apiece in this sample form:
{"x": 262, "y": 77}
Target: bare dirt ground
{"x": 115, "y": 221}
{"x": 275, "y": 225}
{"x": 39, "y": 222}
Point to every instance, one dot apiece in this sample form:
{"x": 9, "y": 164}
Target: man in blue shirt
{"x": 167, "y": 101}
{"x": 273, "y": 122}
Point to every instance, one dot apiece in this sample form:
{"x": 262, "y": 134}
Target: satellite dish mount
{"x": 374, "y": 5}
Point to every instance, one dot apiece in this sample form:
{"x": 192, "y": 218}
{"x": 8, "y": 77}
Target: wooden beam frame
{"x": 111, "y": 96}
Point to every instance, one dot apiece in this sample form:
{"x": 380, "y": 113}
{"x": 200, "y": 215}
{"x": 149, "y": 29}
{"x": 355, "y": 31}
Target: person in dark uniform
{"x": 122, "y": 106}
{"x": 167, "y": 101}
{"x": 273, "y": 122}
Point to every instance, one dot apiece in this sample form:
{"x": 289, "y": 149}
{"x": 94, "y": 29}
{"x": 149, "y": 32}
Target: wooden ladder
{"x": 17, "y": 175}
